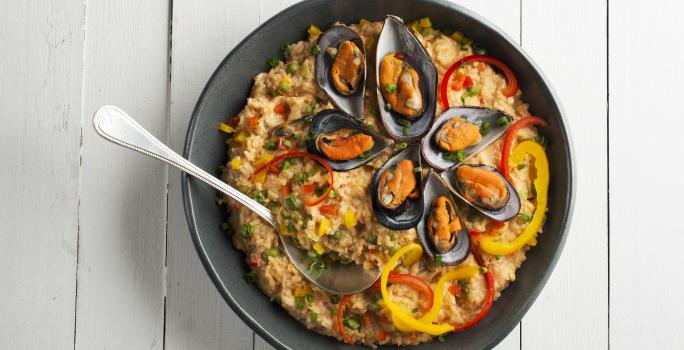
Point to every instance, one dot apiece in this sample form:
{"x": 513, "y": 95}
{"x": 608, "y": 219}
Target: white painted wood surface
{"x": 94, "y": 247}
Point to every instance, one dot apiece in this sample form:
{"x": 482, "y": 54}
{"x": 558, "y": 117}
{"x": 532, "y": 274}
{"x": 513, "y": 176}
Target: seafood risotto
{"x": 347, "y": 189}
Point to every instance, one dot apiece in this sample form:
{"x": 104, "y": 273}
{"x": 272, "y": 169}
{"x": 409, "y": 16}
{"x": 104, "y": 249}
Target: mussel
{"x": 485, "y": 189}
{"x": 441, "y": 231}
{"x": 406, "y": 80}
{"x": 341, "y": 69}
{"x": 343, "y": 141}
{"x": 396, "y": 190}
{"x": 460, "y": 132}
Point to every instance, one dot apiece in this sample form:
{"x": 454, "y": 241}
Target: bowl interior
{"x": 223, "y": 97}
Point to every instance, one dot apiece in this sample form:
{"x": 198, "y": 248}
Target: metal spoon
{"x": 117, "y": 126}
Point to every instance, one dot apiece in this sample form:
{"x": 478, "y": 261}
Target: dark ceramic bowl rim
{"x": 568, "y": 200}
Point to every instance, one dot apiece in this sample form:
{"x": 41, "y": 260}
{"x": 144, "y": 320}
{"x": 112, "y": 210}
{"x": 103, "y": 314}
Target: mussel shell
{"x": 396, "y": 37}
{"x": 475, "y": 115}
{"x": 288, "y": 128}
{"x": 510, "y": 210}
{"x": 433, "y": 188}
{"x": 411, "y": 211}
{"x": 330, "y": 120}
{"x": 351, "y": 104}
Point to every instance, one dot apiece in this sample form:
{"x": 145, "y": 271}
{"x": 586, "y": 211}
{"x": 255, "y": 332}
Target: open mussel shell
{"x": 396, "y": 37}
{"x": 508, "y": 211}
{"x": 433, "y": 188}
{"x": 291, "y": 127}
{"x": 478, "y": 116}
{"x": 352, "y": 103}
{"x": 329, "y": 121}
{"x": 407, "y": 214}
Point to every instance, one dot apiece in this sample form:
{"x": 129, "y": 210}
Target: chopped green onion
{"x": 521, "y": 166}
{"x": 457, "y": 156}
{"x": 352, "y": 323}
{"x": 270, "y": 253}
{"x": 310, "y": 108}
{"x": 334, "y": 298}
{"x": 331, "y": 194}
{"x": 485, "y": 128}
{"x": 316, "y": 49}
{"x": 284, "y": 86}
{"x": 403, "y": 145}
{"x": 372, "y": 239}
{"x": 525, "y": 217}
{"x": 308, "y": 298}
{"x": 287, "y": 143}
{"x": 438, "y": 260}
{"x": 497, "y": 257}
{"x": 541, "y": 140}
{"x": 301, "y": 178}
{"x": 405, "y": 131}
{"x": 286, "y": 164}
{"x": 388, "y": 107}
{"x": 391, "y": 88}
{"x": 270, "y": 145}
{"x": 313, "y": 317}
{"x": 339, "y": 234}
{"x": 246, "y": 230}
{"x": 299, "y": 302}
{"x": 286, "y": 48}
{"x": 417, "y": 169}
{"x": 502, "y": 121}
{"x": 290, "y": 227}
{"x": 291, "y": 202}
{"x": 251, "y": 277}
{"x": 404, "y": 122}
{"x": 447, "y": 31}
{"x": 273, "y": 62}
{"x": 441, "y": 339}
{"x": 365, "y": 155}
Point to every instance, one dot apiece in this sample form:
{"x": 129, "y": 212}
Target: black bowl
{"x": 225, "y": 95}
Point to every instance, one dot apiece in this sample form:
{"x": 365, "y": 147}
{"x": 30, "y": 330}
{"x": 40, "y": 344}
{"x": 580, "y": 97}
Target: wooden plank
{"x": 203, "y": 33}
{"x": 646, "y": 283}
{"x": 41, "y": 64}
{"x": 568, "y": 41}
{"x": 123, "y": 200}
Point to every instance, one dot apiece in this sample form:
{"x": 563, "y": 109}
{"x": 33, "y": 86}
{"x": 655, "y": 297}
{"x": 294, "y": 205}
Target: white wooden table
{"x": 94, "y": 247}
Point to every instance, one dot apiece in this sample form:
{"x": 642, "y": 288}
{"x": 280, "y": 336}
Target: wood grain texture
{"x": 646, "y": 285}
{"x": 123, "y": 198}
{"x": 41, "y": 63}
{"x": 573, "y": 57}
{"x": 197, "y": 317}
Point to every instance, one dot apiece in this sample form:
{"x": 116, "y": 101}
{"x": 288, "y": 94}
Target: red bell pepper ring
{"x": 412, "y": 281}
{"x": 489, "y": 298}
{"x": 320, "y": 160}
{"x": 510, "y": 77}
{"x": 508, "y": 141}
{"x": 340, "y": 319}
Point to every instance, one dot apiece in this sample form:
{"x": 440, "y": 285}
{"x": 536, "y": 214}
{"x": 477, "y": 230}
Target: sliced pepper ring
{"x": 510, "y": 77}
{"x": 541, "y": 184}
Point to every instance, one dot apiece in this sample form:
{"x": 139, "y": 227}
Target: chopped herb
{"x": 286, "y": 164}
{"x": 403, "y": 145}
{"x": 286, "y": 143}
{"x": 447, "y": 31}
{"x": 417, "y": 169}
{"x": 405, "y": 131}
{"x": 525, "y": 217}
{"x": 270, "y": 145}
{"x": 485, "y": 128}
{"x": 377, "y": 296}
{"x": 284, "y": 214}
{"x": 391, "y": 88}
{"x": 339, "y": 233}
{"x": 290, "y": 227}
{"x": 388, "y": 107}
{"x": 246, "y": 230}
{"x": 502, "y": 121}
{"x": 441, "y": 339}
{"x": 296, "y": 216}
{"x": 365, "y": 155}
{"x": 497, "y": 257}
{"x": 404, "y": 122}
{"x": 299, "y": 302}
{"x": 286, "y": 48}
{"x": 372, "y": 239}
{"x": 313, "y": 317}
{"x": 308, "y": 298}
{"x": 311, "y": 253}
{"x": 310, "y": 108}
{"x": 319, "y": 190}
{"x": 251, "y": 277}
{"x": 333, "y": 310}
{"x": 464, "y": 285}
{"x": 291, "y": 202}
{"x": 273, "y": 62}
{"x": 483, "y": 270}
{"x": 438, "y": 260}
{"x": 541, "y": 140}
{"x": 457, "y": 156}
{"x": 334, "y": 298}
{"x": 352, "y": 323}
{"x": 392, "y": 235}
{"x": 270, "y": 253}
{"x": 472, "y": 91}
{"x": 331, "y": 194}
{"x": 521, "y": 166}
{"x": 415, "y": 310}
{"x": 316, "y": 267}
{"x": 292, "y": 68}
{"x": 316, "y": 49}
{"x": 301, "y": 178}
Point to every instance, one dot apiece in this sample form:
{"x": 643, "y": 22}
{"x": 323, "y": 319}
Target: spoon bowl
{"x": 116, "y": 126}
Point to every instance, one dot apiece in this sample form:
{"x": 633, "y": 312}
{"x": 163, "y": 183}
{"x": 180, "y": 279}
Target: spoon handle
{"x": 117, "y": 126}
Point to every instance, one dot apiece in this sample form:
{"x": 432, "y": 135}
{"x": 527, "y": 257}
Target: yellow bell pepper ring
{"x": 402, "y": 320}
{"x": 458, "y": 274}
{"x": 541, "y": 184}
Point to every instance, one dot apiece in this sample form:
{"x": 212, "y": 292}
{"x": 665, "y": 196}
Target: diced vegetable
{"x": 235, "y": 163}
{"x": 273, "y": 62}
{"x": 226, "y": 128}
{"x": 349, "y": 219}
{"x": 302, "y": 291}
{"x": 319, "y": 248}
{"x": 241, "y": 136}
{"x": 323, "y": 226}
{"x": 313, "y": 31}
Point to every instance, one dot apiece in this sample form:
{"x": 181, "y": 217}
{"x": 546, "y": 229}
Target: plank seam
{"x": 608, "y": 155}
{"x": 80, "y": 173}
{"x": 168, "y": 169}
